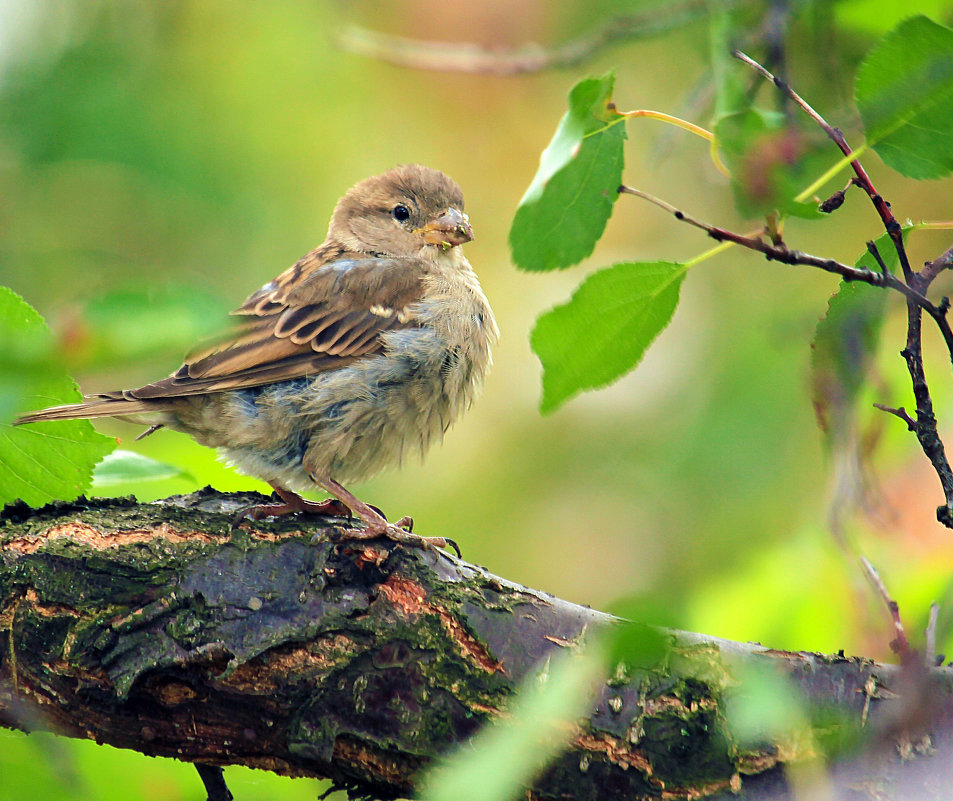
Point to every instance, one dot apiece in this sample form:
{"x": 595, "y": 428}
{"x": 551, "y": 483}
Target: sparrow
{"x": 364, "y": 351}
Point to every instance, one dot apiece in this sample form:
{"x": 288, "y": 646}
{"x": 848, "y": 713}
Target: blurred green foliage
{"x": 507, "y": 754}
{"x": 158, "y": 162}
{"x": 43, "y": 766}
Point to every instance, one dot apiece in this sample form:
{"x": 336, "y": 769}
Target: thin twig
{"x": 781, "y": 253}
{"x": 899, "y": 645}
{"x": 929, "y": 656}
{"x": 899, "y": 412}
{"x": 933, "y": 268}
{"x": 873, "y": 251}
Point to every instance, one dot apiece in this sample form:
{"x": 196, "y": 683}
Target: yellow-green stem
{"x": 836, "y": 168}
{"x": 685, "y": 125}
{"x": 708, "y": 254}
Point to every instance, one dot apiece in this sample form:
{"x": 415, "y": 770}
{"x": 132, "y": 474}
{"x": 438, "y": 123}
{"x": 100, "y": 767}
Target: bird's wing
{"x": 309, "y": 319}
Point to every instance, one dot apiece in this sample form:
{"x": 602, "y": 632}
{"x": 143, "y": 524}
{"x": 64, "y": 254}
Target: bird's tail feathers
{"x": 97, "y": 407}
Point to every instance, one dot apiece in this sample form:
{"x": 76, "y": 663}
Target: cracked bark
{"x": 154, "y": 627}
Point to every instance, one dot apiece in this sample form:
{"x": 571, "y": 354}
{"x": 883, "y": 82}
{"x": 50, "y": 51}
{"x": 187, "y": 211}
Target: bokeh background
{"x": 159, "y": 161}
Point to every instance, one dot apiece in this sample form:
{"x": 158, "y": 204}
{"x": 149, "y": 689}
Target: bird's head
{"x": 407, "y": 211}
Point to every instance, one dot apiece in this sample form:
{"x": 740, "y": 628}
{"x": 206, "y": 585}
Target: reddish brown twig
{"x": 781, "y": 253}
{"x": 899, "y": 645}
{"x": 899, "y": 412}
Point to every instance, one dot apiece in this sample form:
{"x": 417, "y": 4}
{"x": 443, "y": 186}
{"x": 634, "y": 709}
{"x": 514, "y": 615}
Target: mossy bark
{"x": 281, "y": 646}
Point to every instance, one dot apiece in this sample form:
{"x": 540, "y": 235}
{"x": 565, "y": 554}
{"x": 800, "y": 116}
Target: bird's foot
{"x": 400, "y": 532}
{"x": 375, "y": 524}
{"x": 292, "y": 503}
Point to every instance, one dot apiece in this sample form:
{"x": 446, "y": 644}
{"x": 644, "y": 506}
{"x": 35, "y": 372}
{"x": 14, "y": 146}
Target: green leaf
{"x": 504, "y": 756}
{"x": 121, "y": 467}
{"x": 638, "y": 646}
{"x": 640, "y": 640}
{"x": 39, "y": 462}
{"x": 844, "y": 346}
{"x": 763, "y": 705}
{"x": 566, "y": 208}
{"x": 904, "y": 91}
{"x": 604, "y": 329}
{"x": 845, "y": 343}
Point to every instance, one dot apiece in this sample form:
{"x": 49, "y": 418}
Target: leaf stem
{"x": 708, "y": 254}
{"x": 934, "y": 225}
{"x": 678, "y": 122}
{"x": 839, "y": 165}
{"x": 685, "y": 125}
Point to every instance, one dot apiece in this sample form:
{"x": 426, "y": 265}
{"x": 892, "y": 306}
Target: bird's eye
{"x": 401, "y": 213}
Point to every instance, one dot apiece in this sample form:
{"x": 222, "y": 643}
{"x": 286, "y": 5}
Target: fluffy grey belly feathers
{"x": 350, "y": 423}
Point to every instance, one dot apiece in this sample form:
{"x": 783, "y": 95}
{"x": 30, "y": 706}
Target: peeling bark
{"x": 276, "y": 646}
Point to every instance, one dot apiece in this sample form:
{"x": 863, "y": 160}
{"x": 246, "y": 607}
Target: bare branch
{"x": 933, "y": 268}
{"x": 901, "y": 413}
{"x": 781, "y": 253}
{"x": 899, "y": 645}
{"x": 472, "y": 58}
{"x": 929, "y": 656}
{"x": 926, "y": 429}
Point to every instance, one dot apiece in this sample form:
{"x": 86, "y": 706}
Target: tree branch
{"x": 862, "y": 179}
{"x": 919, "y": 283}
{"x": 470, "y": 58}
{"x": 155, "y": 627}
{"x": 781, "y": 253}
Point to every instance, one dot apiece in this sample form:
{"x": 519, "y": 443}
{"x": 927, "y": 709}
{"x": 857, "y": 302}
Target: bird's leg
{"x": 292, "y": 503}
{"x": 213, "y": 778}
{"x": 331, "y": 507}
{"x": 375, "y": 523}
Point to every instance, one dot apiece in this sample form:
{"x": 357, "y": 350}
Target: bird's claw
{"x": 331, "y": 507}
{"x": 397, "y": 532}
{"x": 406, "y": 523}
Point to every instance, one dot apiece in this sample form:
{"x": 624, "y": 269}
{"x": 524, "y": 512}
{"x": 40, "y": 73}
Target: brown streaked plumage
{"x": 366, "y": 349}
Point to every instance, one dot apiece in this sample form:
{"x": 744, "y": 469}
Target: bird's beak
{"x": 450, "y": 229}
